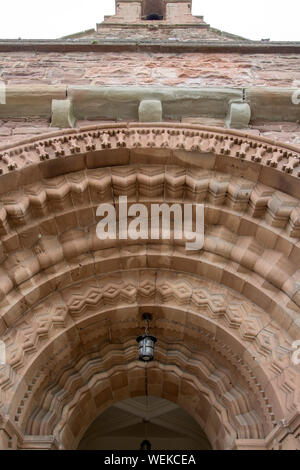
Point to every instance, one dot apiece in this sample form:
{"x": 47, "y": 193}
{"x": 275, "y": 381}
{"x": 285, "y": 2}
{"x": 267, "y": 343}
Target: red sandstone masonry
{"x": 71, "y": 305}
{"x": 141, "y": 68}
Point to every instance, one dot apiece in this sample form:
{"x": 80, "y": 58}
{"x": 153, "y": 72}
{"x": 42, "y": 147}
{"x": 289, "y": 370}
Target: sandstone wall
{"x": 129, "y": 68}
{"x": 149, "y": 69}
{"x": 151, "y": 32}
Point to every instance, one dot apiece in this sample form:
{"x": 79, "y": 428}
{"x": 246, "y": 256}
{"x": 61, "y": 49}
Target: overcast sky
{"x": 255, "y": 19}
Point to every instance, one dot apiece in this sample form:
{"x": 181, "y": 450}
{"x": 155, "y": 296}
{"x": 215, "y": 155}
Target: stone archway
{"x": 226, "y": 316}
{"x": 94, "y": 360}
{"x": 128, "y": 423}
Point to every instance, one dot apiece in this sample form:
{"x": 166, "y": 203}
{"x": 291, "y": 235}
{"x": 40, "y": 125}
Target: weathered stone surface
{"x": 239, "y": 116}
{"x": 226, "y": 316}
{"x": 62, "y": 114}
{"x": 190, "y": 70}
{"x": 150, "y": 111}
{"x": 30, "y": 101}
{"x": 284, "y": 131}
{"x": 275, "y": 104}
{"x": 13, "y": 130}
{"x": 97, "y": 102}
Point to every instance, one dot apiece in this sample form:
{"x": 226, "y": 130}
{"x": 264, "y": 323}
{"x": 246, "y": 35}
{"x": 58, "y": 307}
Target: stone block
{"x": 239, "y": 116}
{"x": 31, "y": 100}
{"x": 122, "y": 103}
{"x": 273, "y": 103}
{"x": 150, "y": 111}
{"x": 62, "y": 114}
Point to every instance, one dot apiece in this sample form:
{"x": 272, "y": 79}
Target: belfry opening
{"x": 153, "y": 10}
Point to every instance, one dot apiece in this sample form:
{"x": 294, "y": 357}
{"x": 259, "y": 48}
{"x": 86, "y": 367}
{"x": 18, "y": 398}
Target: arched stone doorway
{"x": 226, "y": 316}
{"x": 125, "y": 425}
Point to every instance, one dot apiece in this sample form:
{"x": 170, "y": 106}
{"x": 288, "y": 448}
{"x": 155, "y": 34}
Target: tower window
{"x": 154, "y": 17}
{"x": 153, "y": 10}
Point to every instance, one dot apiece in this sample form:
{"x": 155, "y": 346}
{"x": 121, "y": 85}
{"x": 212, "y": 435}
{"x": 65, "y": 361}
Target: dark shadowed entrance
{"x": 126, "y": 424}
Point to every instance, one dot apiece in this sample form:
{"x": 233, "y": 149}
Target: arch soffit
{"x": 73, "y": 383}
{"x": 179, "y": 302}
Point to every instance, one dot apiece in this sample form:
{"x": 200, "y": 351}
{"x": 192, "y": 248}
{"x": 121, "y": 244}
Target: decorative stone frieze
{"x": 204, "y": 140}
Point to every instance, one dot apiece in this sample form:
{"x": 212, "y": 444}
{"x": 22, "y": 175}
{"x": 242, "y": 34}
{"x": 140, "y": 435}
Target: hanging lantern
{"x": 146, "y": 347}
{"x": 146, "y": 342}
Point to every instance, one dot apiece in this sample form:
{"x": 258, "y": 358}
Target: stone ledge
{"x": 122, "y": 103}
{"x": 145, "y": 24}
{"x": 31, "y": 100}
{"x": 273, "y": 103}
{"x": 242, "y": 47}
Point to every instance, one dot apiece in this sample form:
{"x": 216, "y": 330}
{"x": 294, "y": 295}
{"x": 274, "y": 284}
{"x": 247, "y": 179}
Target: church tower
{"x": 168, "y": 11}
{"x": 157, "y": 20}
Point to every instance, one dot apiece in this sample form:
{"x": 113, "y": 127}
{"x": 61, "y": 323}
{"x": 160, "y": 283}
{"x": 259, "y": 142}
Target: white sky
{"x": 47, "y": 19}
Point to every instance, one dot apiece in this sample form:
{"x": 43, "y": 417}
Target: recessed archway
{"x": 226, "y": 315}
{"x": 128, "y": 423}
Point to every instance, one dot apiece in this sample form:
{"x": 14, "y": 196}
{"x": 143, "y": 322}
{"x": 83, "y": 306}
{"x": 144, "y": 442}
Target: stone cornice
{"x": 95, "y": 45}
{"x": 236, "y": 106}
{"x": 145, "y": 24}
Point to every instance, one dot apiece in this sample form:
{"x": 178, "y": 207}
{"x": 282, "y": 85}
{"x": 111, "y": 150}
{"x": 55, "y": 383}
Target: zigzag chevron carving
{"x": 204, "y": 300}
{"x": 217, "y": 382}
{"x": 239, "y": 315}
{"x": 78, "y": 190}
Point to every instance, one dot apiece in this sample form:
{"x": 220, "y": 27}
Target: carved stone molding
{"x": 103, "y": 312}
{"x": 248, "y": 151}
{"x": 286, "y": 435}
{"x": 251, "y": 229}
{"x": 70, "y": 302}
{"x": 97, "y": 383}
